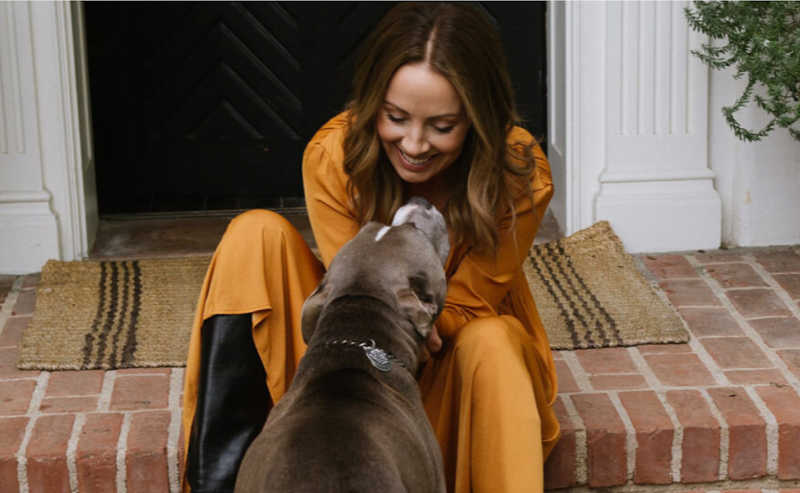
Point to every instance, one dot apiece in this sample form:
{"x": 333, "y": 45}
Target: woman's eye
{"x": 444, "y": 130}
{"x": 395, "y": 119}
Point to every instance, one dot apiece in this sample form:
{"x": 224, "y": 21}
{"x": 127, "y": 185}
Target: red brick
{"x": 654, "y": 433}
{"x": 783, "y": 332}
{"x": 13, "y": 330}
{"x": 25, "y": 303}
{"x": 561, "y": 466}
{"x": 669, "y": 266}
{"x": 614, "y": 382}
{"x": 566, "y": 382}
{"x": 73, "y": 383}
{"x": 792, "y": 359}
{"x": 789, "y": 282}
{"x": 68, "y": 404}
{"x": 6, "y": 283}
{"x": 143, "y": 371}
{"x": 753, "y": 303}
{"x": 606, "y": 360}
{"x": 664, "y": 348}
{"x": 735, "y": 276}
{"x": 701, "y": 436}
{"x": 47, "y": 454}
{"x": 145, "y": 392}
{"x": 8, "y": 365}
{"x": 605, "y": 436}
{"x": 96, "y": 455}
{"x": 747, "y": 455}
{"x": 679, "y": 370}
{"x": 717, "y": 257}
{"x": 705, "y": 322}
{"x": 689, "y": 293}
{"x": 12, "y": 431}
{"x": 146, "y": 455}
{"x": 736, "y": 352}
{"x": 15, "y": 396}
{"x": 30, "y": 281}
{"x": 779, "y": 261}
{"x": 750, "y": 377}
{"x": 784, "y": 404}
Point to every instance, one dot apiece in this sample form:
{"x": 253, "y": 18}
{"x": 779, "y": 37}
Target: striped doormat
{"x": 590, "y": 294}
{"x": 113, "y": 314}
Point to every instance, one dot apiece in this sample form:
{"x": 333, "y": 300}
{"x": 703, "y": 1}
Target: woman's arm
{"x": 481, "y": 281}
{"x": 325, "y": 183}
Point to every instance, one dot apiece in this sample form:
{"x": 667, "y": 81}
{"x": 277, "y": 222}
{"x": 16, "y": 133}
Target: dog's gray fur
{"x": 344, "y": 425}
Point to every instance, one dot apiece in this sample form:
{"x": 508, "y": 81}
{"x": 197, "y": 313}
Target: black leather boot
{"x": 232, "y": 404}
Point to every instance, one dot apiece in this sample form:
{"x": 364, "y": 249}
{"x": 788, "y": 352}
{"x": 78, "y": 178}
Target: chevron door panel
{"x": 208, "y": 105}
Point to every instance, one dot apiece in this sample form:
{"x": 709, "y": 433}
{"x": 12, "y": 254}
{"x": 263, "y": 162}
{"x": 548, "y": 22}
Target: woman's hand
{"x": 432, "y": 345}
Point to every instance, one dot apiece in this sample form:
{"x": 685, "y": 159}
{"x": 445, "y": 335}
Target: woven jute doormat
{"x": 590, "y": 294}
{"x": 139, "y": 313}
{"x": 113, "y": 314}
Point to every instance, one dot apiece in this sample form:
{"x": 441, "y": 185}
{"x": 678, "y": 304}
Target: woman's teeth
{"x": 415, "y": 162}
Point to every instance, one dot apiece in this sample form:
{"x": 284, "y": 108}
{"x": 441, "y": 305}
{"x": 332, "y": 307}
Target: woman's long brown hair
{"x": 459, "y": 42}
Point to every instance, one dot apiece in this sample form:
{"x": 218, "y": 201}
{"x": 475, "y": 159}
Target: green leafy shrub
{"x": 763, "y": 41}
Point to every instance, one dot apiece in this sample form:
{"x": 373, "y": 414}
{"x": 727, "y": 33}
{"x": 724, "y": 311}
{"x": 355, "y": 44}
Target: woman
{"x": 432, "y": 114}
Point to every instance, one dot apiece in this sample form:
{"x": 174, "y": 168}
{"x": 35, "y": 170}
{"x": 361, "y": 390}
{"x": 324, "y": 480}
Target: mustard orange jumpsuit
{"x": 488, "y": 392}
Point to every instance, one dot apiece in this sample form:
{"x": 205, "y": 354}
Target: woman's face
{"x": 422, "y": 124}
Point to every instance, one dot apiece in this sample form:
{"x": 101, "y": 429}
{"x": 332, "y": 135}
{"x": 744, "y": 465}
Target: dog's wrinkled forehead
{"x": 426, "y": 218}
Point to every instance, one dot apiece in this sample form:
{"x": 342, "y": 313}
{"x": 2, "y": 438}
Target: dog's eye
{"x": 419, "y": 284}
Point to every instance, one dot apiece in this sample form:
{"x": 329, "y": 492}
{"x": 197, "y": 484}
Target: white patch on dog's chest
{"x": 382, "y": 232}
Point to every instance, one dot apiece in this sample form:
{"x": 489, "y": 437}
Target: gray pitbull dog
{"x": 353, "y": 419}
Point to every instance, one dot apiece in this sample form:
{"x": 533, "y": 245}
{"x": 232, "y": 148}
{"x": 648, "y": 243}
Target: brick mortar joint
{"x": 659, "y": 390}
{"x": 631, "y": 442}
{"x": 771, "y": 425}
{"x": 745, "y": 326}
{"x": 173, "y": 457}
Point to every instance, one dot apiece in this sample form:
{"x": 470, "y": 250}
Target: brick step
{"x": 721, "y": 413}
{"x": 717, "y": 434}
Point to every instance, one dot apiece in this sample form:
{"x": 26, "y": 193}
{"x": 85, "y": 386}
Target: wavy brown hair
{"x": 459, "y": 42}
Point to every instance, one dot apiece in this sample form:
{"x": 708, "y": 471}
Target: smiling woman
{"x": 422, "y": 127}
{"x": 432, "y": 114}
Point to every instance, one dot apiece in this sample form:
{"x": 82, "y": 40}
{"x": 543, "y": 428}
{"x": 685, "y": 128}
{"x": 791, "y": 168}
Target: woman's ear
{"x": 312, "y": 308}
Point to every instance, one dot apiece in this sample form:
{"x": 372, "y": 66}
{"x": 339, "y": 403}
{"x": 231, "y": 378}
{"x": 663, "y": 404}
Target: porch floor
{"x": 720, "y": 413}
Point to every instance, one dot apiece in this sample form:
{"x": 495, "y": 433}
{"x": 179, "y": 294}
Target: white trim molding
{"x": 44, "y": 131}
{"x": 28, "y": 225}
{"x": 635, "y": 129}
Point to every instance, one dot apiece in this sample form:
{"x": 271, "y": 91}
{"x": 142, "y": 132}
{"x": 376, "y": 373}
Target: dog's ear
{"x": 419, "y": 305}
{"x": 312, "y": 308}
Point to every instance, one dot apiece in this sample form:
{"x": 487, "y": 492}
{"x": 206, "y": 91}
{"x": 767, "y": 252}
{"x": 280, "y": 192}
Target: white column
{"x": 43, "y": 136}
{"x": 657, "y": 190}
{"x": 28, "y": 227}
{"x": 629, "y": 125}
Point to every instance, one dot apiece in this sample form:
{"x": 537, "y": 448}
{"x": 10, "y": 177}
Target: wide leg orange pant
{"x": 479, "y": 392}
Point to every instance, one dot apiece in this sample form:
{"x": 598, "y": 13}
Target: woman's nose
{"x": 414, "y": 143}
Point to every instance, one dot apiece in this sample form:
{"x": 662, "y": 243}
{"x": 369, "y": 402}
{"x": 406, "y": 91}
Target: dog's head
{"x": 400, "y": 265}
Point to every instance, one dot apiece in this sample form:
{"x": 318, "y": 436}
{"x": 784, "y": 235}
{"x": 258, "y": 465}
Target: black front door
{"x": 205, "y": 106}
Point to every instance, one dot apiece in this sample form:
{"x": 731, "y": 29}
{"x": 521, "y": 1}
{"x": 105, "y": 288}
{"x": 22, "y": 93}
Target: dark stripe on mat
{"x": 129, "y": 350}
{"x": 612, "y": 324}
{"x": 88, "y": 344}
{"x": 110, "y": 315}
{"x": 112, "y": 358}
{"x": 573, "y": 334}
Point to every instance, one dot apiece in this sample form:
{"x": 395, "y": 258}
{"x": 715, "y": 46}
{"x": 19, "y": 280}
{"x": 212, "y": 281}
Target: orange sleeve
{"x": 332, "y": 220}
{"x": 481, "y": 281}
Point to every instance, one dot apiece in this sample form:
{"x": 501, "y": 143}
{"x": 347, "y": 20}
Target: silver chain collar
{"x": 380, "y": 359}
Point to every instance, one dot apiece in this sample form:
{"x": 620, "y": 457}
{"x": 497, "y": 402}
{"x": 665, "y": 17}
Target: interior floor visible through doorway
{"x": 176, "y": 235}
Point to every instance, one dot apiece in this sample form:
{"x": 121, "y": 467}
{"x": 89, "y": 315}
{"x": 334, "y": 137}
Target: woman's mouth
{"x": 414, "y": 163}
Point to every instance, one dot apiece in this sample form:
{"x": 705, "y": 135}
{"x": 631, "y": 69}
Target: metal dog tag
{"x": 377, "y": 357}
